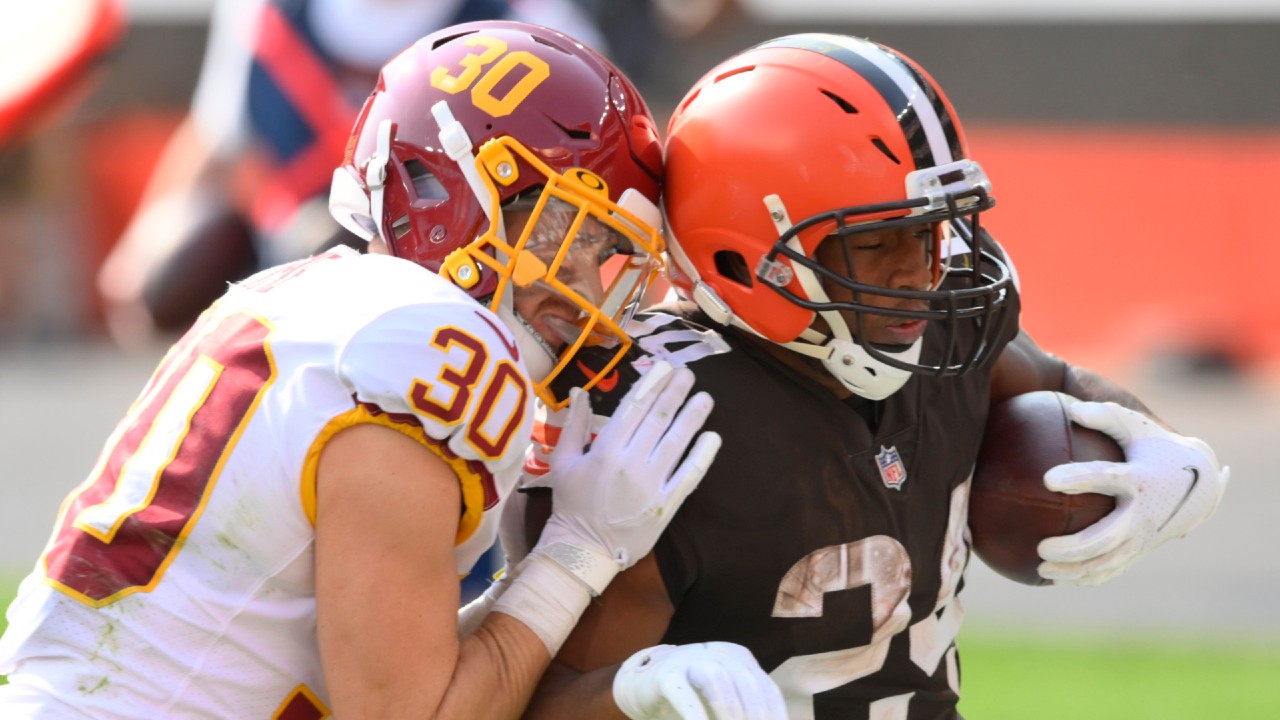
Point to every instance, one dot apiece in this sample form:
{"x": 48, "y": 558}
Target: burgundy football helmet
{"x": 486, "y": 116}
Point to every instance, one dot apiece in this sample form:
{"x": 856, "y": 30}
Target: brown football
{"x": 1010, "y": 509}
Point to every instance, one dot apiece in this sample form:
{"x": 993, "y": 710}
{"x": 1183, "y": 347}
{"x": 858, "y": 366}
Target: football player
{"x": 854, "y": 323}
{"x": 277, "y": 526}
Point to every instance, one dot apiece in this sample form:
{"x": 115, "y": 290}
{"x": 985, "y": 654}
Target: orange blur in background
{"x": 1131, "y": 241}
{"x": 1139, "y": 240}
{"x": 1128, "y": 242}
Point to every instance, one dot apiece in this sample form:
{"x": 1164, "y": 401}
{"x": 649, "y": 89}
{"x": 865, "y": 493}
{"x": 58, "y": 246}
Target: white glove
{"x": 1167, "y": 486}
{"x": 706, "y": 681}
{"x": 610, "y": 503}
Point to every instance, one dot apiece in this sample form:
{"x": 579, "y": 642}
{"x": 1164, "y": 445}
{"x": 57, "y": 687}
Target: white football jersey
{"x": 179, "y": 579}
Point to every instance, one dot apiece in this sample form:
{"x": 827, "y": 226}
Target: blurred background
{"x": 1133, "y": 146}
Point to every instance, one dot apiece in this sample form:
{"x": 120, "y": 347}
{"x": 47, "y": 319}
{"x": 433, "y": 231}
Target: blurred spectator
{"x": 638, "y": 31}
{"x": 51, "y": 58}
{"x": 243, "y": 181}
{"x": 47, "y": 51}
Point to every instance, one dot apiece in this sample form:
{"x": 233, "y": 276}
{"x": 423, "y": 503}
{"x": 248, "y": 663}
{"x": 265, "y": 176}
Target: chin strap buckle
{"x": 375, "y": 173}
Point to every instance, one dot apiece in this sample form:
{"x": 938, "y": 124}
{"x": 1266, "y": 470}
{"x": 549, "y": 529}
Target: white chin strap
{"x": 841, "y": 355}
{"x": 853, "y": 366}
{"x": 539, "y": 359}
{"x": 844, "y": 357}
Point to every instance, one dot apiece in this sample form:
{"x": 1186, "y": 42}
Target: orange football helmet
{"x": 811, "y": 136}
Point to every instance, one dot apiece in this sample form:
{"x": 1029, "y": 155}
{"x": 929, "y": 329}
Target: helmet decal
{"x": 926, "y": 121}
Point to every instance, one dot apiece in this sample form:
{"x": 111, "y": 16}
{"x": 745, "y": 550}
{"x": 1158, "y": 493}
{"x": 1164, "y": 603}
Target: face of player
{"x": 543, "y": 306}
{"x": 897, "y": 258}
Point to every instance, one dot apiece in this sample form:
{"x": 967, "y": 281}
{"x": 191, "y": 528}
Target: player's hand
{"x": 1167, "y": 486}
{"x": 704, "y": 681}
{"x": 611, "y": 502}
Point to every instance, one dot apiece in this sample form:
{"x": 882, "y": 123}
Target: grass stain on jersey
{"x": 108, "y": 639}
{"x": 226, "y": 541}
{"x": 101, "y": 685}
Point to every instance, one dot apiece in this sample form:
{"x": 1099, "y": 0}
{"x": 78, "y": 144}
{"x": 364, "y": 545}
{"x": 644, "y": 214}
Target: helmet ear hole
{"x": 425, "y": 184}
{"x": 401, "y": 227}
{"x": 731, "y": 265}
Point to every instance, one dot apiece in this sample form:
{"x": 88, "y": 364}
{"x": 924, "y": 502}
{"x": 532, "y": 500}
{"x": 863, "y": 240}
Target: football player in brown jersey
{"x": 854, "y": 322}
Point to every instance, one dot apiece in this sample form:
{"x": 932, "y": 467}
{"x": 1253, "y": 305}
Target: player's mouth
{"x": 554, "y": 324}
{"x": 905, "y": 332}
{"x": 558, "y": 323}
{"x": 568, "y": 333}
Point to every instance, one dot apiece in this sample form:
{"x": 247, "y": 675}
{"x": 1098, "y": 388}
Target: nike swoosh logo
{"x": 606, "y": 383}
{"x": 502, "y": 333}
{"x": 1195, "y": 480}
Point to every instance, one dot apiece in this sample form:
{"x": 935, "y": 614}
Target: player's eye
{"x": 617, "y": 244}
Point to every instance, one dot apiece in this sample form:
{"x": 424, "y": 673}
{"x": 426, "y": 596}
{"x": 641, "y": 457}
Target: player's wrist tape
{"x": 595, "y": 570}
{"x": 547, "y": 598}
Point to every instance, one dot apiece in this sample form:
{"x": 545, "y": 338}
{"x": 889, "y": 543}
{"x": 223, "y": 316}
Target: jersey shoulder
{"x": 409, "y": 347}
{"x": 452, "y": 365}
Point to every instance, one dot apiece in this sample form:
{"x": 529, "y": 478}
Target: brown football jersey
{"x": 828, "y": 536}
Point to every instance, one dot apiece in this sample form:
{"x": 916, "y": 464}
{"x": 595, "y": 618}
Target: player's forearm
{"x": 499, "y": 665}
{"x": 1088, "y": 385}
{"x": 1024, "y": 367}
{"x": 561, "y": 692}
{"x": 565, "y": 694}
{"x": 388, "y": 669}
{"x": 510, "y": 648}
{"x": 491, "y": 672}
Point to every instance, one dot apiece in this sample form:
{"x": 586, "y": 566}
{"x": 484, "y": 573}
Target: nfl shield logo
{"x": 892, "y": 471}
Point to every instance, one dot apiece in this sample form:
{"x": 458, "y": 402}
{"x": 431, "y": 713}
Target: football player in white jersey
{"x": 277, "y": 526}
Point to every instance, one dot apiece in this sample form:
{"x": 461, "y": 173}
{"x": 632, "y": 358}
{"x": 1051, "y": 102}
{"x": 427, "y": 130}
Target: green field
{"x": 8, "y": 587}
{"x": 1041, "y": 676}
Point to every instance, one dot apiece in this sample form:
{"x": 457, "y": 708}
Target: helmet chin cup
{"x": 349, "y": 204}
{"x": 867, "y": 377}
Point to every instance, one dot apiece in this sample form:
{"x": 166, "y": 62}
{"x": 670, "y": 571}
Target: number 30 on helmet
{"x": 474, "y": 116}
